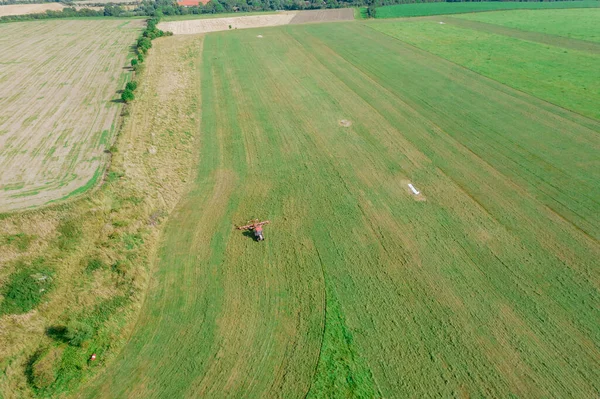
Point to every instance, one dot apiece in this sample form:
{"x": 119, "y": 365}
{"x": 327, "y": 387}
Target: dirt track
{"x": 256, "y": 21}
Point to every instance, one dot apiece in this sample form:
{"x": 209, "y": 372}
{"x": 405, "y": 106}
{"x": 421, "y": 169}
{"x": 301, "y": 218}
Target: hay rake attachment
{"x": 256, "y": 226}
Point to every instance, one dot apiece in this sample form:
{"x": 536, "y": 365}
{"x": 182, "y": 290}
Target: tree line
{"x": 143, "y": 44}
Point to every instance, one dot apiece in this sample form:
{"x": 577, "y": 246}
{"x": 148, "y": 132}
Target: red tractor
{"x": 256, "y": 227}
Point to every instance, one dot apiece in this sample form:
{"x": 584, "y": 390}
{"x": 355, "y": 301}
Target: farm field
{"x": 200, "y": 25}
{"x": 97, "y": 250}
{"x": 485, "y": 284}
{"x": 254, "y": 20}
{"x": 576, "y": 24}
{"x": 565, "y": 70}
{"x": 339, "y": 14}
{"x": 424, "y": 9}
{"x": 22, "y": 9}
{"x": 58, "y": 108}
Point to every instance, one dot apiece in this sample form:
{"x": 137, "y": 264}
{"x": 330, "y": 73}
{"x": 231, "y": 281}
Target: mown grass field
{"x": 424, "y": 9}
{"x": 58, "y": 105}
{"x": 576, "y": 24}
{"x": 561, "y": 71}
{"x": 484, "y": 285}
{"x": 86, "y": 262}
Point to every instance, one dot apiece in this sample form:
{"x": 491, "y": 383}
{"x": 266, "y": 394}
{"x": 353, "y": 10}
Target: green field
{"x": 575, "y": 24}
{"x": 483, "y": 285}
{"x": 423, "y": 9}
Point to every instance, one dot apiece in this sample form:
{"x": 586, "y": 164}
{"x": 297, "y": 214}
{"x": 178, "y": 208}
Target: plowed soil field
{"x": 58, "y": 105}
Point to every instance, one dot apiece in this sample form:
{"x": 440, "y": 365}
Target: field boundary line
{"x": 593, "y": 120}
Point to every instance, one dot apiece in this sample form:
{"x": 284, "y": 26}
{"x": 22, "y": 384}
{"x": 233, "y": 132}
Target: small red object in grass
{"x": 93, "y": 356}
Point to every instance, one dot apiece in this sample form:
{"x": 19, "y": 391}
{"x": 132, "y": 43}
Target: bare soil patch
{"x": 345, "y": 123}
{"x": 23, "y": 9}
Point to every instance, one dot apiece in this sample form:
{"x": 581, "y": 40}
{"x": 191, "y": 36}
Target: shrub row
{"x": 144, "y": 43}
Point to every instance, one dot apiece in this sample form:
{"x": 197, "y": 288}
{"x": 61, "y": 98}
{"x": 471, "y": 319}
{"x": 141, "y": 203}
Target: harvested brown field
{"x": 58, "y": 105}
{"x": 218, "y": 24}
{"x": 195, "y": 26}
{"x": 22, "y": 9}
{"x": 340, "y": 14}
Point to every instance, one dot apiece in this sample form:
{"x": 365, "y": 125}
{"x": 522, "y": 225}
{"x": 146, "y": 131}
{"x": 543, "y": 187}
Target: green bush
{"x": 25, "y": 289}
{"x": 141, "y": 58}
{"x": 134, "y": 63}
{"x": 131, "y": 86}
{"x": 127, "y": 96}
{"x": 77, "y": 333}
{"x": 144, "y": 44}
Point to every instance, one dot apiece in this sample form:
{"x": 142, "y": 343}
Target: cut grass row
{"x": 440, "y": 8}
{"x": 485, "y": 287}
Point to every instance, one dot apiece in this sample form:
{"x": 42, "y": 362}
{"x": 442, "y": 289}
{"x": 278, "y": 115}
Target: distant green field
{"x": 566, "y": 77}
{"x": 423, "y": 9}
{"x": 484, "y": 284}
{"x": 575, "y": 23}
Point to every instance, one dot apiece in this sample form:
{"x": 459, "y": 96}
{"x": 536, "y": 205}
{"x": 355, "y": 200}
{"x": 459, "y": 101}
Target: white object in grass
{"x": 414, "y": 190}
